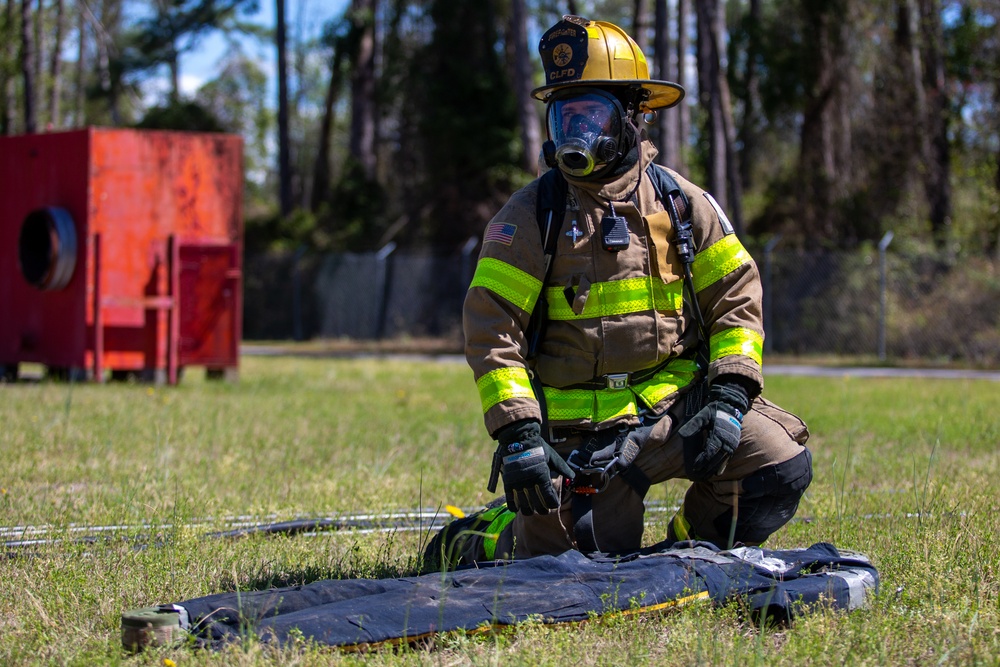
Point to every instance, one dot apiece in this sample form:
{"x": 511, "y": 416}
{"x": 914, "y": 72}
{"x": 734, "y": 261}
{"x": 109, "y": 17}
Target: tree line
{"x": 827, "y": 122}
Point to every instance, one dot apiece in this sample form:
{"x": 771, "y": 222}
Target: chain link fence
{"x": 872, "y": 304}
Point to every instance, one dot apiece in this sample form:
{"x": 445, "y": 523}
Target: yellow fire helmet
{"x": 580, "y": 52}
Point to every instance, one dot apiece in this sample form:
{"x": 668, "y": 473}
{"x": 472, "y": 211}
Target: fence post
{"x": 297, "y": 328}
{"x": 768, "y": 289}
{"x": 382, "y": 286}
{"x": 882, "y": 245}
{"x": 467, "y": 261}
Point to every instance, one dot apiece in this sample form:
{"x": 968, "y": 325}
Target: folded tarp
{"x": 354, "y": 613}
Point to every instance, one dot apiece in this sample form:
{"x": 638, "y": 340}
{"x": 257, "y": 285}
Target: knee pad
{"x": 783, "y": 479}
{"x": 769, "y": 498}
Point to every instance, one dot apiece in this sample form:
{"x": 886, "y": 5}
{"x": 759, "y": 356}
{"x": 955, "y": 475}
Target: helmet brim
{"x": 662, "y": 94}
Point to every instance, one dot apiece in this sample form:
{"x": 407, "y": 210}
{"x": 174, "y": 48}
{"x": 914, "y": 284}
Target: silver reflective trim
{"x": 727, "y": 226}
{"x": 859, "y": 582}
{"x": 755, "y": 556}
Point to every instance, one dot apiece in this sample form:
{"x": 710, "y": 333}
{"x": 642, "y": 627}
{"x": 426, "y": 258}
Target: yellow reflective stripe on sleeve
{"x": 508, "y": 281}
{"x": 737, "y": 340}
{"x": 604, "y": 404}
{"x": 718, "y": 261}
{"x": 503, "y": 383}
{"x": 619, "y": 297}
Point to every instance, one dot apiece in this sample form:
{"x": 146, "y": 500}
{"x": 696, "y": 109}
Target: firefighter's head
{"x": 596, "y": 85}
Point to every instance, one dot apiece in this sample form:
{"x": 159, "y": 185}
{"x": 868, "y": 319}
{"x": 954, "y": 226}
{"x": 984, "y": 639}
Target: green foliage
{"x": 178, "y": 115}
{"x": 467, "y": 125}
{"x": 356, "y": 217}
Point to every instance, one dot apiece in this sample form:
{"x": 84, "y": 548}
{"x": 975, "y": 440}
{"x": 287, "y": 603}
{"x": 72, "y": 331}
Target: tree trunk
{"x": 937, "y": 184}
{"x": 823, "y": 161}
{"x": 683, "y": 110}
{"x": 724, "y": 166}
{"x": 362, "y": 140}
{"x": 38, "y": 61}
{"x": 174, "y": 67}
{"x": 9, "y": 117}
{"x": 321, "y": 170}
{"x": 107, "y": 27}
{"x": 666, "y": 134}
{"x": 527, "y": 116}
{"x": 284, "y": 161}
{"x": 27, "y": 68}
{"x": 751, "y": 113}
{"x": 55, "y": 68}
{"x": 80, "y": 94}
{"x": 640, "y": 25}
{"x": 709, "y": 76}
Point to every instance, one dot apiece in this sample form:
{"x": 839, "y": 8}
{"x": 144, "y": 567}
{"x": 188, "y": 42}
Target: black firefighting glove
{"x": 527, "y": 464}
{"x": 713, "y": 434}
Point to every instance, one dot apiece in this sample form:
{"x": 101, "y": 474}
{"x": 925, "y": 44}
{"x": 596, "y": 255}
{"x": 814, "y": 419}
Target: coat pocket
{"x": 792, "y": 425}
{"x": 663, "y": 259}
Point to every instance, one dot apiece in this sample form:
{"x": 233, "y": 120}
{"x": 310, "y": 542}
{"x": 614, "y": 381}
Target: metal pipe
{"x": 382, "y": 286}
{"x": 768, "y": 289}
{"x": 882, "y": 245}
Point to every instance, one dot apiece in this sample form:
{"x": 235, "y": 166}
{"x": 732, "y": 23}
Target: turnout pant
{"x": 756, "y": 494}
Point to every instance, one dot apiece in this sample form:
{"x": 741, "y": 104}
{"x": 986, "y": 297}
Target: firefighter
{"x": 619, "y": 345}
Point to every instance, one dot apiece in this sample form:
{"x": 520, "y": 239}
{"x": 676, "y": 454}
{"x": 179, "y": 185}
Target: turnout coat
{"x": 619, "y": 340}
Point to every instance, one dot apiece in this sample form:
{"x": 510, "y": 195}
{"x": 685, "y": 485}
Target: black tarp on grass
{"x": 553, "y": 589}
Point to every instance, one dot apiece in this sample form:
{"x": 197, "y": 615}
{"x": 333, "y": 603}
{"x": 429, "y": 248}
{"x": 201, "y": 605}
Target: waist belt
{"x": 619, "y": 380}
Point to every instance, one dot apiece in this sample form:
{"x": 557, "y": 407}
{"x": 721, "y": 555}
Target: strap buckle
{"x": 617, "y": 380}
{"x": 590, "y": 478}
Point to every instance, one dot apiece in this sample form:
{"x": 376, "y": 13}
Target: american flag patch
{"x": 501, "y": 232}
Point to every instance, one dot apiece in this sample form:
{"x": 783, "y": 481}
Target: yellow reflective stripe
{"x": 597, "y": 406}
{"x": 682, "y": 527}
{"x": 737, "y": 340}
{"x": 677, "y": 375}
{"x": 499, "y": 522}
{"x": 718, "y": 261}
{"x": 619, "y": 297}
{"x": 503, "y": 383}
{"x": 604, "y": 404}
{"x": 566, "y": 404}
{"x": 508, "y": 281}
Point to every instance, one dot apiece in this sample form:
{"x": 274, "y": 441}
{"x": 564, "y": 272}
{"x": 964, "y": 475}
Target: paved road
{"x": 775, "y": 369}
{"x": 865, "y": 371}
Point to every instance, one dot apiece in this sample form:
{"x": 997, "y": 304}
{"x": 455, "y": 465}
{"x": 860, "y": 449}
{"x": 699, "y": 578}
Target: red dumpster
{"x": 121, "y": 252}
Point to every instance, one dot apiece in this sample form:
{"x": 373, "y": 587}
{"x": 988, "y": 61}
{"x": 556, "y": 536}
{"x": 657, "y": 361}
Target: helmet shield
{"x": 586, "y": 127}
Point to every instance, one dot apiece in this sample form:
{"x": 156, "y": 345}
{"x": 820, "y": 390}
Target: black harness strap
{"x": 679, "y": 208}
{"x": 550, "y": 211}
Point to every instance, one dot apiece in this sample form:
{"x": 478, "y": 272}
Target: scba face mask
{"x": 585, "y": 131}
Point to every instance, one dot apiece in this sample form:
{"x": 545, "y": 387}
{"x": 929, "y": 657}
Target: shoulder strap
{"x": 550, "y": 209}
{"x": 669, "y": 191}
{"x": 679, "y": 208}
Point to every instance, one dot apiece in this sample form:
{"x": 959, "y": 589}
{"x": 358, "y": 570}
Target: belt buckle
{"x": 617, "y": 380}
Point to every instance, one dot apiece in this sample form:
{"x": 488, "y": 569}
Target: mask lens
{"x": 583, "y": 127}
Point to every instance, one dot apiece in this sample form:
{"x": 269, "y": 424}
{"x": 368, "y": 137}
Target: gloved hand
{"x": 715, "y": 430}
{"x": 528, "y": 464}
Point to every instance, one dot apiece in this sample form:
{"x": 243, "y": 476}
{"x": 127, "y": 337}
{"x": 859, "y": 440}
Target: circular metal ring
{"x": 47, "y": 248}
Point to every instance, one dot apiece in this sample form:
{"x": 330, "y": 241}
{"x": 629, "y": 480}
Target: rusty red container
{"x": 121, "y": 252}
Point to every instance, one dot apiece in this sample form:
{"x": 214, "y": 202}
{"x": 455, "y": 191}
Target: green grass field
{"x": 906, "y": 471}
